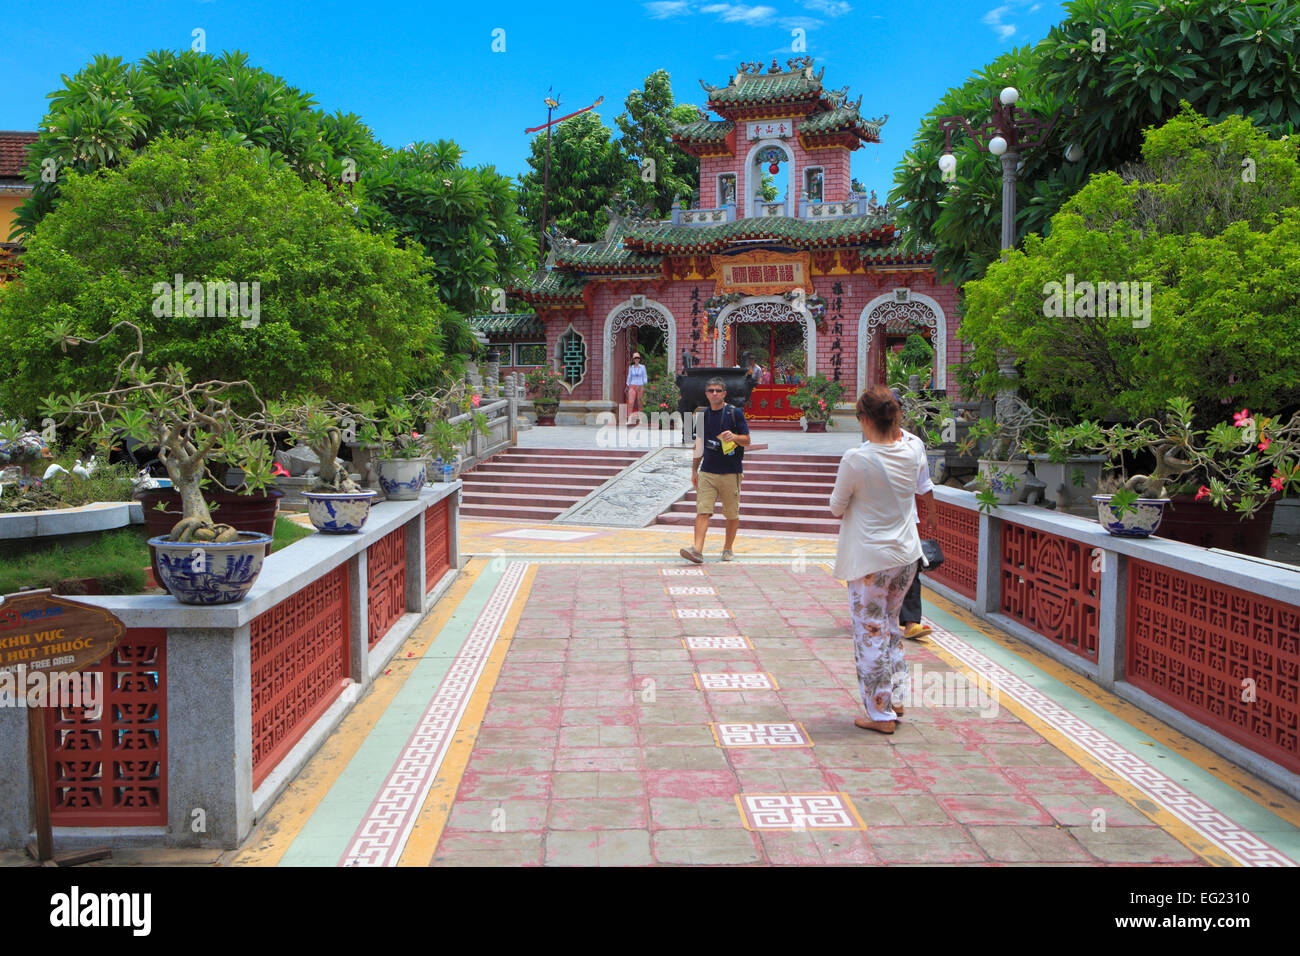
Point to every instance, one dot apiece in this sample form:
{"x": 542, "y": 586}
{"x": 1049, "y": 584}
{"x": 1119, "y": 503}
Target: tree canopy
{"x": 1114, "y": 68}
{"x": 1218, "y": 240}
{"x": 339, "y": 311}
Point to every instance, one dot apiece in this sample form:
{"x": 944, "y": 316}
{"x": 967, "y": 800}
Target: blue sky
{"x": 426, "y": 71}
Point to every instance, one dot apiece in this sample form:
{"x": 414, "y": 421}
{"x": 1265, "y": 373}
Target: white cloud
{"x": 662, "y": 9}
{"x": 994, "y": 19}
{"x": 832, "y": 8}
{"x": 740, "y": 13}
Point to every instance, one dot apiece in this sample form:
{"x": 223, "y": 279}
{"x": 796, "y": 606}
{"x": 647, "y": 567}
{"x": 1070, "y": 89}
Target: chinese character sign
{"x": 763, "y": 273}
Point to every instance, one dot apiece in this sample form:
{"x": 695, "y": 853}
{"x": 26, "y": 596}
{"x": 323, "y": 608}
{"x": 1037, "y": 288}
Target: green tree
{"x": 588, "y": 172}
{"x": 1221, "y": 253}
{"x": 646, "y": 130}
{"x": 466, "y": 221}
{"x": 1224, "y": 58}
{"x": 110, "y": 110}
{"x": 341, "y": 312}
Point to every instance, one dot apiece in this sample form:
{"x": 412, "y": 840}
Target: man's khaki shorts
{"x": 714, "y": 488}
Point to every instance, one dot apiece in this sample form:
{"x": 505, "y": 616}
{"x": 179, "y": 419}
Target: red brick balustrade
{"x": 1049, "y": 586}
{"x": 1223, "y": 656}
{"x": 386, "y": 583}
{"x": 959, "y": 535}
{"x": 300, "y": 664}
{"x": 112, "y": 771}
{"x": 437, "y": 542}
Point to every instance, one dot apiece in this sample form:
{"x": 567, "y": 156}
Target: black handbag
{"x": 931, "y": 554}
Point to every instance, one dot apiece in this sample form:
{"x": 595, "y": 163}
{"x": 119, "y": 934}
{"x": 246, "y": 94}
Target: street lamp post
{"x": 1005, "y": 135}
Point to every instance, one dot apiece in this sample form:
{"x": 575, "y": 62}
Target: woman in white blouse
{"x": 878, "y": 551}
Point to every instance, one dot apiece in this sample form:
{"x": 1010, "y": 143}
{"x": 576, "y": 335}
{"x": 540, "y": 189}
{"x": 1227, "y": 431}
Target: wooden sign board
{"x": 39, "y": 631}
{"x": 763, "y": 273}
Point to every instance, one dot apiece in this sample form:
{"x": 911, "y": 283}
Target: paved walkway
{"x": 582, "y": 696}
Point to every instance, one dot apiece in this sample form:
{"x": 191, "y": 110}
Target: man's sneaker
{"x": 690, "y": 554}
{"x": 916, "y": 631}
{"x": 727, "y": 555}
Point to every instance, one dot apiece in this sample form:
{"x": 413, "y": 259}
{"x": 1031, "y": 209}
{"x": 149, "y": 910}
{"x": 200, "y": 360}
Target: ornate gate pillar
{"x": 625, "y": 316}
{"x": 913, "y": 310}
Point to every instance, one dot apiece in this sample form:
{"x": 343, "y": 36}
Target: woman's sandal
{"x": 898, "y": 710}
{"x": 880, "y": 726}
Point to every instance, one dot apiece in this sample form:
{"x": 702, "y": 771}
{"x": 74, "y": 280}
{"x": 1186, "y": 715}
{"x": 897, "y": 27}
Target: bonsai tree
{"x": 1242, "y": 463}
{"x": 817, "y": 397}
{"x": 192, "y": 424}
{"x": 322, "y": 426}
{"x": 394, "y": 430}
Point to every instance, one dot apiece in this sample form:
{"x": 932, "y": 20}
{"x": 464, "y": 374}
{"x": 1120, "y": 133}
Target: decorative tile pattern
{"x": 728, "y": 642}
{"x": 798, "y": 811}
{"x": 756, "y": 681}
{"x": 680, "y": 589}
{"x": 383, "y": 832}
{"x": 546, "y": 534}
{"x": 760, "y": 735}
{"x": 1235, "y": 840}
{"x": 697, "y": 613}
{"x": 678, "y": 572}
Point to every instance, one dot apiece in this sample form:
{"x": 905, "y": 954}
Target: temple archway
{"x": 900, "y": 312}
{"x": 767, "y": 308}
{"x": 624, "y": 316}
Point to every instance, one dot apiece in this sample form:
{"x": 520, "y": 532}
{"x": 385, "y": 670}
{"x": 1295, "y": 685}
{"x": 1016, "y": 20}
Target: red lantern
{"x": 774, "y": 169}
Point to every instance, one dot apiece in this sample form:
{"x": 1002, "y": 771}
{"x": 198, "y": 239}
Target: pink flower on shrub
{"x": 1277, "y": 481}
{"x": 474, "y": 400}
{"x": 1242, "y": 418}
{"x": 1263, "y": 445}
{"x": 1202, "y": 493}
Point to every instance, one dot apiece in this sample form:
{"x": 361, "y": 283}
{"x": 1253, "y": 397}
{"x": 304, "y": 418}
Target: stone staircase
{"x": 781, "y": 492}
{"x": 538, "y": 484}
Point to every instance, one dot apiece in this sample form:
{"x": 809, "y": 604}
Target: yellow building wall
{"x": 8, "y": 206}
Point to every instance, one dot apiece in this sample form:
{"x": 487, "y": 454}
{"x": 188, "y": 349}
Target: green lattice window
{"x": 530, "y": 353}
{"x": 573, "y": 357}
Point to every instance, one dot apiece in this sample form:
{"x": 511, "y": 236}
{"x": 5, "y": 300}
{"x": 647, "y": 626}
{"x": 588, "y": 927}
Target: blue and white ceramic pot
{"x": 341, "y": 512}
{"x": 1141, "y": 523}
{"x": 1007, "y": 479}
{"x": 197, "y": 572}
{"x": 401, "y": 478}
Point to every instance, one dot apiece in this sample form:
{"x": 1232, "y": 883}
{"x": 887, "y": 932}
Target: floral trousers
{"x": 874, "y": 603}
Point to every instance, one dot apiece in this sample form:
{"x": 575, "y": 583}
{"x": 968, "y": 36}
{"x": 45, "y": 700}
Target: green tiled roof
{"x": 508, "y": 323}
{"x": 756, "y": 89}
{"x": 606, "y": 256}
{"x": 704, "y": 131}
{"x": 663, "y": 237}
{"x": 555, "y": 285}
{"x": 842, "y": 118}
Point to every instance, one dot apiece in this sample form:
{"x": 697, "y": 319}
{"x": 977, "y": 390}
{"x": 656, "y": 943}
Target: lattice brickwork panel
{"x": 1197, "y": 645}
{"x": 112, "y": 771}
{"x": 300, "y": 664}
{"x": 1049, "y": 586}
{"x": 959, "y": 536}
{"x": 437, "y": 542}
{"x": 386, "y": 582}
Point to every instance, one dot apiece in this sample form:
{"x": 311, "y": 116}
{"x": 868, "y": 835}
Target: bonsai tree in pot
{"x": 1008, "y": 441}
{"x": 817, "y": 398}
{"x": 545, "y": 386}
{"x": 1244, "y": 465}
{"x": 193, "y": 425}
{"x": 335, "y": 503}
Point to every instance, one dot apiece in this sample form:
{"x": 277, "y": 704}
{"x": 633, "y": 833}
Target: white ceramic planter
{"x": 208, "y": 573}
{"x": 1057, "y": 475}
{"x": 343, "y": 512}
{"x": 1139, "y": 523}
{"x": 1007, "y": 479}
{"x": 401, "y": 478}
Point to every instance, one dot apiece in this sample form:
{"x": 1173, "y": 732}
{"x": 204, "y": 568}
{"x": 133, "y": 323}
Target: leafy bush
{"x": 544, "y": 384}
{"x": 342, "y": 312}
{"x": 1222, "y": 257}
{"x": 817, "y": 397}
{"x": 662, "y": 395}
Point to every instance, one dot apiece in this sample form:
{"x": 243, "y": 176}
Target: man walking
{"x": 910, "y": 615}
{"x": 717, "y": 473}
{"x": 636, "y": 381}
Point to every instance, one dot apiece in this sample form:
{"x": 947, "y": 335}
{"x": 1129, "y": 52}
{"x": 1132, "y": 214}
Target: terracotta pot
{"x": 816, "y": 426}
{"x": 546, "y": 412}
{"x": 243, "y": 512}
{"x": 1200, "y": 523}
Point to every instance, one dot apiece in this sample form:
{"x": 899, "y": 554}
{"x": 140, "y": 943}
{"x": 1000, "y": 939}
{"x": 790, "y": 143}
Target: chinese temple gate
{"x": 812, "y": 281}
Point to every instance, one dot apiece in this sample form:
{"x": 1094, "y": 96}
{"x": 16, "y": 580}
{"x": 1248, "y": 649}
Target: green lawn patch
{"x": 116, "y": 558}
